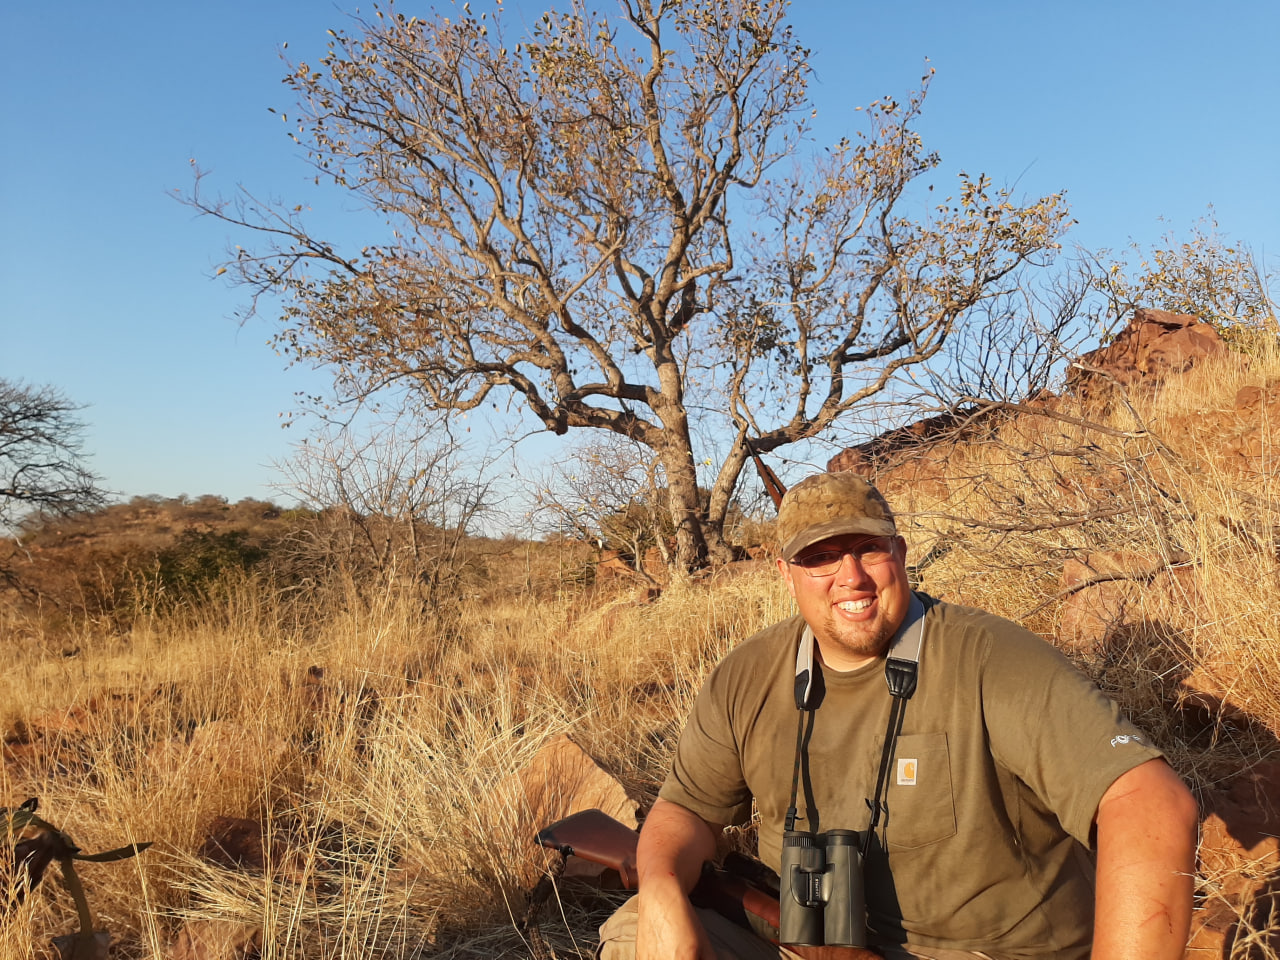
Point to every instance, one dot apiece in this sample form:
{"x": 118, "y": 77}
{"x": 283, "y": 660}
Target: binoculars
{"x": 821, "y": 896}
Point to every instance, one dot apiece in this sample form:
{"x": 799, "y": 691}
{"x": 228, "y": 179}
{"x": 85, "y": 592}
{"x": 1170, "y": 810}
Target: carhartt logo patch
{"x": 907, "y": 772}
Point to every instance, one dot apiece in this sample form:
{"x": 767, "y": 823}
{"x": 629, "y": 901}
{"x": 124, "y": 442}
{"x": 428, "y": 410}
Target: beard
{"x": 869, "y": 639}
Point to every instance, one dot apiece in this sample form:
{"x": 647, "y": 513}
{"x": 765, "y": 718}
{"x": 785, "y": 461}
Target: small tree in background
{"x": 42, "y": 469}
{"x": 615, "y": 223}
{"x": 1207, "y": 275}
{"x": 609, "y": 492}
{"x": 389, "y": 501}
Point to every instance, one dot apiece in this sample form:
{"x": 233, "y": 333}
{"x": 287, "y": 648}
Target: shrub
{"x": 199, "y": 559}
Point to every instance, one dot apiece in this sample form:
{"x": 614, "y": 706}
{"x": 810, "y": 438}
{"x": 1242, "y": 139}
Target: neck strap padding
{"x": 903, "y": 650}
{"x": 901, "y": 671}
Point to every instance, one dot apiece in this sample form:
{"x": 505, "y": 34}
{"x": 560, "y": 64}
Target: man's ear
{"x": 901, "y": 544}
{"x": 784, "y": 568}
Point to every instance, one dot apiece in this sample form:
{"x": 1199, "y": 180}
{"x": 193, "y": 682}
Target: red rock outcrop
{"x": 907, "y": 443}
{"x": 1094, "y": 613}
{"x": 1153, "y": 346}
{"x": 1255, "y": 448}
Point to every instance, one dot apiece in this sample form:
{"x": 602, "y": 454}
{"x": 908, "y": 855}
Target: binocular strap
{"x": 901, "y": 672}
{"x": 896, "y": 713}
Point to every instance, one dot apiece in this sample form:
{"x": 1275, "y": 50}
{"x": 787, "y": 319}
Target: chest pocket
{"x": 921, "y": 809}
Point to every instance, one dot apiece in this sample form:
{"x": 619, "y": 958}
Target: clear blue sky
{"x": 1141, "y": 110}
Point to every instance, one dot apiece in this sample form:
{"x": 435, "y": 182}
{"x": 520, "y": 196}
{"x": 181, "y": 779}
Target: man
{"x": 1008, "y": 769}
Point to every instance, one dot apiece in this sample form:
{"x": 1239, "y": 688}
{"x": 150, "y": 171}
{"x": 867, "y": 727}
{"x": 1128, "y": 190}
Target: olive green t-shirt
{"x": 1005, "y": 751}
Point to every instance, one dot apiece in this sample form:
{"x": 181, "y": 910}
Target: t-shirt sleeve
{"x": 706, "y": 776}
{"x": 1054, "y": 729}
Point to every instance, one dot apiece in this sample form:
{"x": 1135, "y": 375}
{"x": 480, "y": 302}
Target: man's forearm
{"x": 674, "y": 844}
{"x": 1146, "y": 866}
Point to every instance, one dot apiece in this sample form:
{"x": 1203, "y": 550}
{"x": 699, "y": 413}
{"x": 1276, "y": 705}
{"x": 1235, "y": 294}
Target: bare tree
{"x": 41, "y": 455}
{"x": 388, "y": 500}
{"x": 612, "y": 222}
{"x": 610, "y": 491}
{"x": 41, "y": 461}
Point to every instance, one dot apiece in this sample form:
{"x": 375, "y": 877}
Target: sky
{"x": 1145, "y": 113}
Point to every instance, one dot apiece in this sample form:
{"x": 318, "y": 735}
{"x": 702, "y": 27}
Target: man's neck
{"x": 843, "y": 662}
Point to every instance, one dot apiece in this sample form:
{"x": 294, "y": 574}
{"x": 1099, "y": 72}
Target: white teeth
{"x": 855, "y": 606}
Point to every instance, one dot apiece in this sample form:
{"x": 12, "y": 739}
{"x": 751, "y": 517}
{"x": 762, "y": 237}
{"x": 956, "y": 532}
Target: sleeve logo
{"x": 907, "y": 772}
{"x": 1126, "y": 738}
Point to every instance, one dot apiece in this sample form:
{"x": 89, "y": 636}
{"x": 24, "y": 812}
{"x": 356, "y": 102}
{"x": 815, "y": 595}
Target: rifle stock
{"x": 594, "y": 835}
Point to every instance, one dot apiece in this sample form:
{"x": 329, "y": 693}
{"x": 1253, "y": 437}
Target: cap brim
{"x": 837, "y": 528}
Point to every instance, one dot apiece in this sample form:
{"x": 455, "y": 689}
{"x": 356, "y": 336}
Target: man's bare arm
{"x": 674, "y": 844}
{"x": 1146, "y": 842}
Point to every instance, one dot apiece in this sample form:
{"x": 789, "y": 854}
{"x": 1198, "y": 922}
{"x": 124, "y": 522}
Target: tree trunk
{"x": 686, "y": 510}
{"x": 699, "y": 540}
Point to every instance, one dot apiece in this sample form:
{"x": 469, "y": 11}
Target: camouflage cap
{"x": 831, "y": 505}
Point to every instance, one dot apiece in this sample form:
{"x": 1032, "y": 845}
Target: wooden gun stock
{"x": 594, "y": 835}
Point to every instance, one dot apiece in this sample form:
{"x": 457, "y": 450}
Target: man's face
{"x": 855, "y": 611}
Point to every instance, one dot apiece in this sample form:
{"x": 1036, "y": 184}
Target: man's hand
{"x": 674, "y": 844}
{"x": 1146, "y": 866}
{"x": 667, "y": 927}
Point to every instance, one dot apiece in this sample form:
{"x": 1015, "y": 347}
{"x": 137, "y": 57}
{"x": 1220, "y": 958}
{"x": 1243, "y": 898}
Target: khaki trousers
{"x": 732, "y": 942}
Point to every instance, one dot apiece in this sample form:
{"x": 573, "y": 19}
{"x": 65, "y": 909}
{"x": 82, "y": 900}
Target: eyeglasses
{"x": 823, "y": 563}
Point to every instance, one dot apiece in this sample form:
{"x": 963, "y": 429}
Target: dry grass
{"x": 390, "y": 788}
{"x": 397, "y": 826}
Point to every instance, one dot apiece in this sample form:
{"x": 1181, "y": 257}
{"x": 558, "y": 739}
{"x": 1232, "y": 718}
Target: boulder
{"x": 563, "y": 779}
{"x": 1205, "y": 704}
{"x": 1249, "y": 397}
{"x": 1257, "y": 431}
{"x": 1091, "y": 616}
{"x": 1240, "y": 860}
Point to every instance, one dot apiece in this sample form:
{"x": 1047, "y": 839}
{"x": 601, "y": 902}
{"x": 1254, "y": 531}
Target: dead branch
{"x": 1068, "y": 520}
{"x": 1146, "y": 575}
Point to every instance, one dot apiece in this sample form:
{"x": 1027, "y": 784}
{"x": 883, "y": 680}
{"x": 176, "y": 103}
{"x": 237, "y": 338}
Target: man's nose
{"x": 851, "y": 567}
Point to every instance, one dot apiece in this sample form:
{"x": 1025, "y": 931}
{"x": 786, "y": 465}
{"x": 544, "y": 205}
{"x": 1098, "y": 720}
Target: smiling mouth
{"x": 855, "y": 606}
